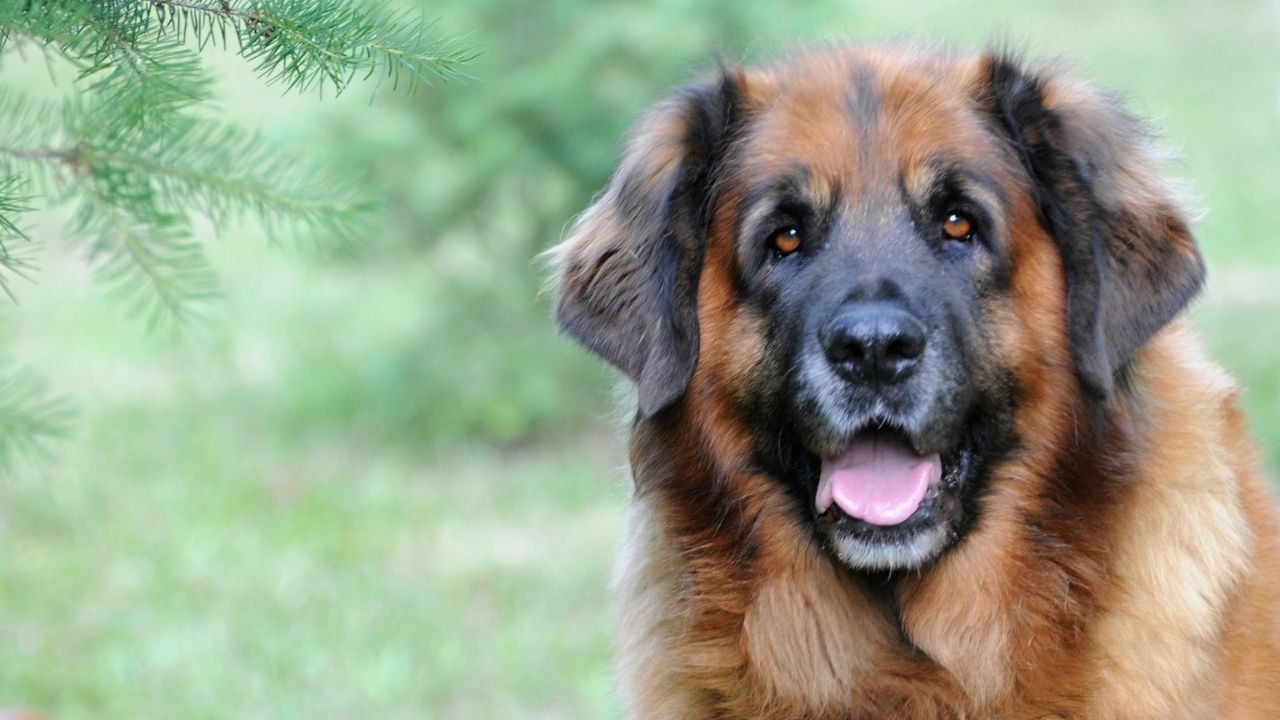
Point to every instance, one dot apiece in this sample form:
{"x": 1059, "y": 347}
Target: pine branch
{"x": 58, "y": 24}
{"x": 128, "y": 152}
{"x": 139, "y": 192}
{"x": 15, "y": 245}
{"x": 131, "y": 124}
{"x": 233, "y": 175}
{"x": 308, "y": 44}
{"x": 30, "y": 418}
{"x": 147, "y": 85}
{"x": 151, "y": 262}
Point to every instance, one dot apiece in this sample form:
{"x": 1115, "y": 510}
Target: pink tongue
{"x": 879, "y": 479}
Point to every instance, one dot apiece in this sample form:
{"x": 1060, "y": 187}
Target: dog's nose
{"x": 874, "y": 342}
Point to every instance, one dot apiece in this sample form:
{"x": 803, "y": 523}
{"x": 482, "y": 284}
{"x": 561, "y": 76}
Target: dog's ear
{"x": 629, "y": 268}
{"x": 1131, "y": 261}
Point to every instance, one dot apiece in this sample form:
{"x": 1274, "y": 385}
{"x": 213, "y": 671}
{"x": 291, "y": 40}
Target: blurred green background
{"x": 375, "y": 483}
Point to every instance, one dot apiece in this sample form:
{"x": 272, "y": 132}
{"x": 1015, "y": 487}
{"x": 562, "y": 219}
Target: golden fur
{"x": 1127, "y": 560}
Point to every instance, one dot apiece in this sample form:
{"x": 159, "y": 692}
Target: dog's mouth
{"x": 879, "y": 479}
{"x": 883, "y": 504}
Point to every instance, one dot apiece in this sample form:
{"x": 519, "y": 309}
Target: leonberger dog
{"x": 918, "y": 430}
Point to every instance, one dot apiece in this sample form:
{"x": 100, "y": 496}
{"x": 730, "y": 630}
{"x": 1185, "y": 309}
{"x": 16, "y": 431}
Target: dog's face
{"x": 869, "y": 243}
{"x": 857, "y": 265}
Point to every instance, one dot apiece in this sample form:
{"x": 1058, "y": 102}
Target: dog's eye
{"x": 957, "y": 226}
{"x": 786, "y": 240}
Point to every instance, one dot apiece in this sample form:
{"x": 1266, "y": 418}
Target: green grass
{"x": 241, "y": 526}
{"x": 320, "y": 586}
{"x": 196, "y": 540}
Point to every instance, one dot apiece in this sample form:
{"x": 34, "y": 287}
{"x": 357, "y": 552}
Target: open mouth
{"x": 880, "y": 479}
{"x": 883, "y": 504}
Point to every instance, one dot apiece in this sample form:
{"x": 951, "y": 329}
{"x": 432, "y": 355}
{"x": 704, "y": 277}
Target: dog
{"x": 919, "y": 432}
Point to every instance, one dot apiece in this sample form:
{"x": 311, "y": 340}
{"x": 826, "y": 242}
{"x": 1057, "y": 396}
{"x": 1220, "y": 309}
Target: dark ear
{"x": 1130, "y": 259}
{"x": 629, "y": 269}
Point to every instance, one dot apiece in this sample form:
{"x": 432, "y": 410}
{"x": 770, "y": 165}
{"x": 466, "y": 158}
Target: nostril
{"x": 896, "y": 350}
{"x": 853, "y": 353}
{"x": 840, "y": 345}
{"x": 904, "y": 347}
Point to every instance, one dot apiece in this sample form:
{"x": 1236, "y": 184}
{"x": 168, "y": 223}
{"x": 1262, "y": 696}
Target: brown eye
{"x": 786, "y": 240}
{"x": 957, "y": 226}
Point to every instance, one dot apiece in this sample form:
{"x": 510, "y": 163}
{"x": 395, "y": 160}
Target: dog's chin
{"x": 915, "y": 536}
{"x": 861, "y": 551}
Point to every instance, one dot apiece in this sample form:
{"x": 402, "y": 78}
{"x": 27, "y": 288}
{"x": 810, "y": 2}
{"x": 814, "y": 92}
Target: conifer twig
{"x": 138, "y": 165}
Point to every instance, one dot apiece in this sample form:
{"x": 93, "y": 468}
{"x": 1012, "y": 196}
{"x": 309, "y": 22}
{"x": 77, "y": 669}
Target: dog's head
{"x": 865, "y": 263}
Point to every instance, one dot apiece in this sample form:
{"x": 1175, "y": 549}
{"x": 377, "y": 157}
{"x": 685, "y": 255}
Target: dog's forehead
{"x": 852, "y": 118}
